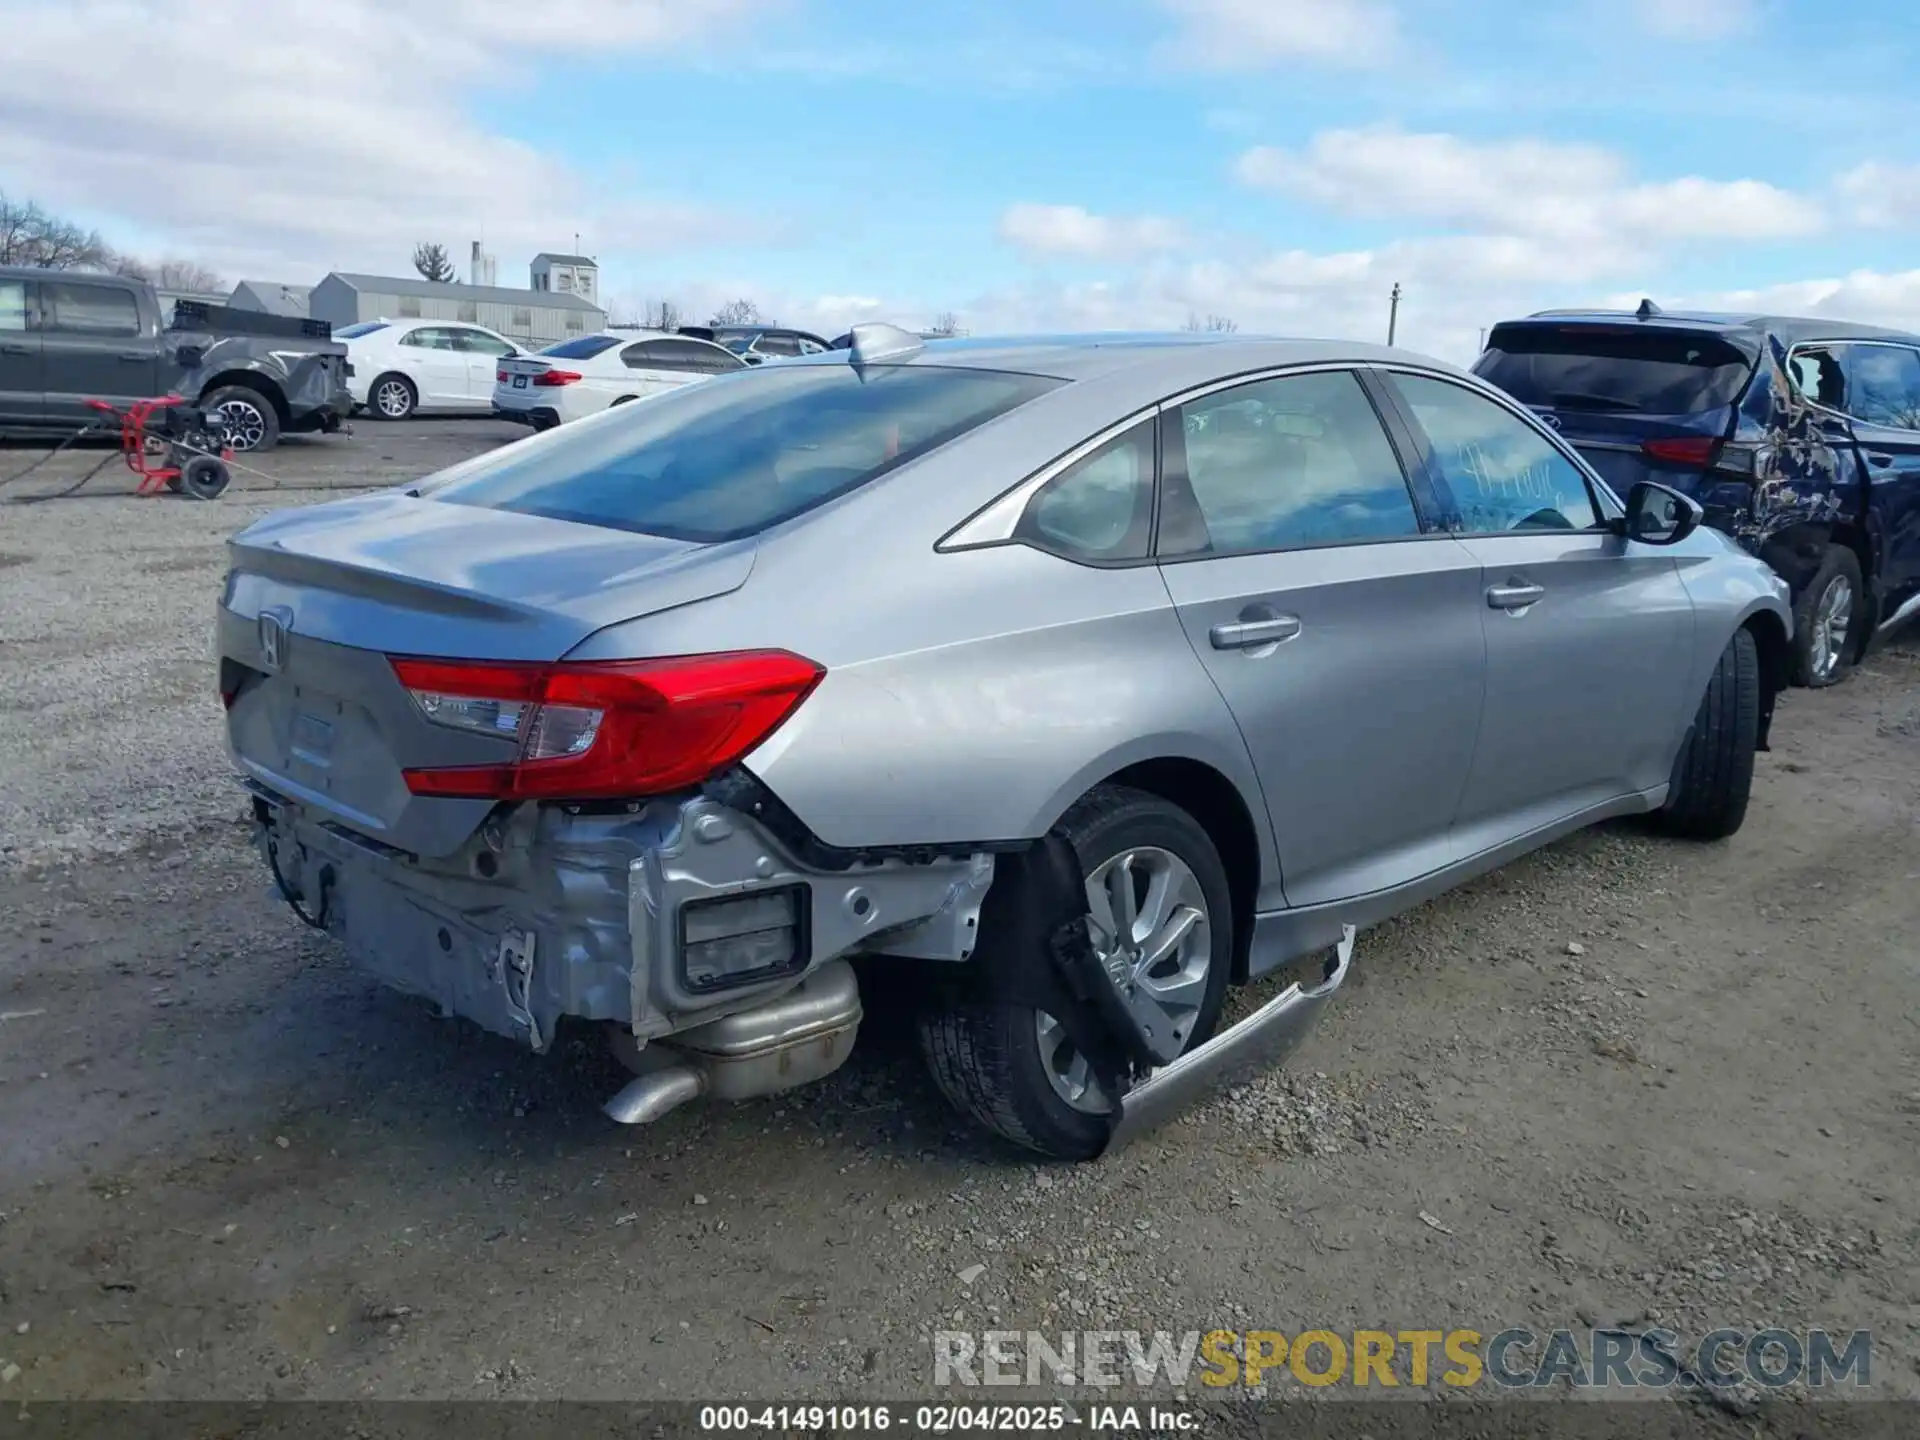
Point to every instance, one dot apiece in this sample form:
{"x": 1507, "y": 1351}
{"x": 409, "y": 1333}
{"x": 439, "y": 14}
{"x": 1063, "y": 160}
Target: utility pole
{"x": 1483, "y": 337}
{"x": 1393, "y": 312}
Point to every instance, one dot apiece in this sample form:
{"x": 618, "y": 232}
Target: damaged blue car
{"x": 1799, "y": 437}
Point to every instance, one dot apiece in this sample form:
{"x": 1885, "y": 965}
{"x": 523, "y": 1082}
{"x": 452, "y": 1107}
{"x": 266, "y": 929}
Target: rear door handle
{"x": 1245, "y": 634}
{"x": 16, "y": 349}
{"x": 1877, "y": 460}
{"x": 134, "y": 355}
{"x": 1514, "y": 596}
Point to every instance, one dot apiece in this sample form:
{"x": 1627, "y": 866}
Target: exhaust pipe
{"x": 1264, "y": 1038}
{"x": 647, "y": 1097}
{"x": 793, "y": 1039}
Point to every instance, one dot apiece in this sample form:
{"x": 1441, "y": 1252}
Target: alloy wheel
{"x": 1832, "y": 621}
{"x": 393, "y": 400}
{"x": 246, "y": 426}
{"x": 1147, "y": 919}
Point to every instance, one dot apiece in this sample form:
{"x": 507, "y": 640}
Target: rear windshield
{"x": 354, "y": 332}
{"x": 584, "y": 348}
{"x": 1592, "y": 367}
{"x": 737, "y": 454}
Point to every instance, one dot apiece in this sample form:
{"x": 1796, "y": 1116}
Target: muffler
{"x": 1264, "y": 1038}
{"x": 794, "y": 1039}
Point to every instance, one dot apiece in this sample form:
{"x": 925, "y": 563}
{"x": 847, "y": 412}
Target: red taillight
{"x": 227, "y": 697}
{"x": 502, "y": 376}
{"x": 1680, "y": 449}
{"x": 605, "y": 730}
{"x": 556, "y": 377}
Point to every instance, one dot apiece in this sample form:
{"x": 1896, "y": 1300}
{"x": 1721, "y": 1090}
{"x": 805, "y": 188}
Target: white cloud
{"x": 1882, "y": 195}
{"x": 1580, "y": 194}
{"x": 1256, "y": 34}
{"x": 336, "y": 147}
{"x": 1043, "y": 230}
{"x": 1696, "y": 19}
{"x": 1871, "y": 297}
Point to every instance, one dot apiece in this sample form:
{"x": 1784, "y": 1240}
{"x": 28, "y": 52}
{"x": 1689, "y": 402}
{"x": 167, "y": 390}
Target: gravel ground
{"x": 1626, "y": 1080}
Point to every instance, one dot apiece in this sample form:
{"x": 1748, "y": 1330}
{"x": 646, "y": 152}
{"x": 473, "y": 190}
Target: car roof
{"x": 1180, "y": 357}
{"x": 1790, "y": 329}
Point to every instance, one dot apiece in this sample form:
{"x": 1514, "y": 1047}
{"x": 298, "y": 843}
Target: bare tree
{"x": 1212, "y": 325}
{"x": 739, "y": 312}
{"x": 30, "y": 236}
{"x": 430, "y": 259}
{"x": 945, "y": 324}
{"x": 661, "y": 315}
{"x": 184, "y": 275}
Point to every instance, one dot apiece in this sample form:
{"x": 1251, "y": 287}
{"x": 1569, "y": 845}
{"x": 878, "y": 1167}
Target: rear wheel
{"x": 1825, "y": 620}
{"x": 393, "y": 397}
{"x": 1713, "y": 774}
{"x": 250, "y": 421}
{"x": 1161, "y": 922}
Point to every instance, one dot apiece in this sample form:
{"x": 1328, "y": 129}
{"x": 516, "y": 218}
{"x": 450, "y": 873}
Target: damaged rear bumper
{"x": 638, "y": 917}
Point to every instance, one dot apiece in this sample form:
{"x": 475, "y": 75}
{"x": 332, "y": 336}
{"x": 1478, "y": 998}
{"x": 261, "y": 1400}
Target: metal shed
{"x": 531, "y": 317}
{"x": 272, "y": 297}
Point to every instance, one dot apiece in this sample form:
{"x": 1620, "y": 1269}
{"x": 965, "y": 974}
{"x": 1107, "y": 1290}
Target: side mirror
{"x": 1657, "y": 515}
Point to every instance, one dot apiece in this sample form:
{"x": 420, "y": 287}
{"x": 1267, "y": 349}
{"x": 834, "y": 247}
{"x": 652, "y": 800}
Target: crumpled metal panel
{"x": 1801, "y": 477}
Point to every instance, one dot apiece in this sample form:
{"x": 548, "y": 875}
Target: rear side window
{"x": 1614, "y": 370}
{"x": 13, "y": 305}
{"x": 1283, "y": 464}
{"x": 584, "y": 348}
{"x": 736, "y": 455}
{"x": 82, "y": 309}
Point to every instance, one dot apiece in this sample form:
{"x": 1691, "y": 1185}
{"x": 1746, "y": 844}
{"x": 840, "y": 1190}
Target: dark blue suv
{"x": 1801, "y": 438}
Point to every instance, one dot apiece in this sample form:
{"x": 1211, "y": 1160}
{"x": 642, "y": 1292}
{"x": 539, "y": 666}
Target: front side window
{"x": 1100, "y": 508}
{"x": 78, "y": 308}
{"x": 1503, "y": 473}
{"x": 478, "y": 342}
{"x": 719, "y": 461}
{"x": 1281, "y": 464}
{"x": 1883, "y": 385}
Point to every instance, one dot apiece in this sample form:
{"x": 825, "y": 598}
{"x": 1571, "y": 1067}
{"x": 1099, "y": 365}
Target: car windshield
{"x": 735, "y": 455}
{"x": 354, "y": 332}
{"x": 583, "y": 347}
{"x": 1606, "y": 368}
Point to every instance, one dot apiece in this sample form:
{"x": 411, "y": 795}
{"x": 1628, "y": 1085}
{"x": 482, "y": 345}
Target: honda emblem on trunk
{"x": 274, "y": 626}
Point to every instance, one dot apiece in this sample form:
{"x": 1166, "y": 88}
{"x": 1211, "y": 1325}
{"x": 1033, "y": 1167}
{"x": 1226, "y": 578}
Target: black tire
{"x": 1840, "y": 567}
{"x": 1713, "y": 774}
{"x": 255, "y": 434}
{"x": 986, "y": 1057}
{"x": 622, "y": 400}
{"x": 203, "y": 477}
{"x": 406, "y": 398}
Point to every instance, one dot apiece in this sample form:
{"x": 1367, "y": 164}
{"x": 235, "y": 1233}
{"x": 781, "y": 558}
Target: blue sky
{"x": 1058, "y": 162}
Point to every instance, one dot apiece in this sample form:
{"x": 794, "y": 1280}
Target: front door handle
{"x": 1516, "y": 595}
{"x": 1245, "y": 634}
{"x": 134, "y": 355}
{"x": 1878, "y": 460}
{"x": 16, "y": 349}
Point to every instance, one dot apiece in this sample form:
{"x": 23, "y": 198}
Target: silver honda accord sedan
{"x": 1069, "y": 680}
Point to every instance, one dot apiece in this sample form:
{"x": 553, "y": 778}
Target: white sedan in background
{"x": 403, "y": 366}
{"x": 586, "y": 375}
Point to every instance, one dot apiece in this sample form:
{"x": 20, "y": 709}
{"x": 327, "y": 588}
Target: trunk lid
{"x": 317, "y": 599}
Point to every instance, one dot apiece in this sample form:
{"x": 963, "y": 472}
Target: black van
{"x": 1800, "y": 437}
